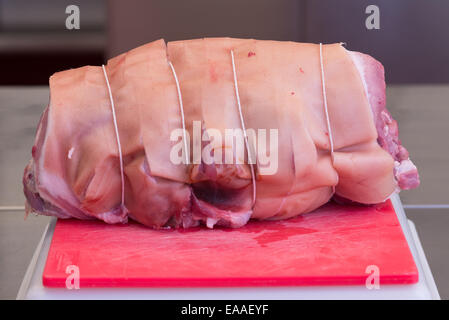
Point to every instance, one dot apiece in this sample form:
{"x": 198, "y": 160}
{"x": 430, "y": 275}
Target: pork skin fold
{"x": 75, "y": 166}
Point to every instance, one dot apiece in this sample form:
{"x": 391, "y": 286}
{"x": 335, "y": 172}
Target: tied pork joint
{"x": 314, "y": 115}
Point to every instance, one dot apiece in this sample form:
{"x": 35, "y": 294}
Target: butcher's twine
{"x": 253, "y": 176}
{"x": 122, "y": 177}
{"x": 242, "y": 121}
{"x": 181, "y": 109}
{"x": 326, "y": 111}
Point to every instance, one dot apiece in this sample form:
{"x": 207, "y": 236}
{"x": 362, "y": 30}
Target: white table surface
{"x": 32, "y": 287}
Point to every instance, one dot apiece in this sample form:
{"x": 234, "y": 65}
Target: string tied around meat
{"x": 181, "y": 110}
{"x": 326, "y": 111}
{"x": 119, "y": 146}
{"x": 242, "y": 123}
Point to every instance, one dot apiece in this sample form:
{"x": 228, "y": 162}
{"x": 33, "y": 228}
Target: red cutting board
{"x": 333, "y": 245}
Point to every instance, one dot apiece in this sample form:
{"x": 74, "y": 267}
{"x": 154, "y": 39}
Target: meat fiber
{"x": 75, "y": 165}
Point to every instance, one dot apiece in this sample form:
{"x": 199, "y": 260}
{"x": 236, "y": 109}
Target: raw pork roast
{"x": 75, "y": 165}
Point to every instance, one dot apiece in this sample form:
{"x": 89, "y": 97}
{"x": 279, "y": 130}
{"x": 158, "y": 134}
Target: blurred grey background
{"x": 411, "y": 42}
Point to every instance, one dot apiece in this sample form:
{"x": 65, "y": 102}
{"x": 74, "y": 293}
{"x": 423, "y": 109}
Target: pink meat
{"x": 74, "y": 170}
{"x": 372, "y": 73}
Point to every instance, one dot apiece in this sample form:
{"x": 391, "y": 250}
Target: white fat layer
{"x": 241, "y": 219}
{"x": 404, "y": 166}
{"x": 210, "y": 222}
{"x": 112, "y": 216}
{"x": 70, "y": 153}
{"x": 357, "y": 60}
